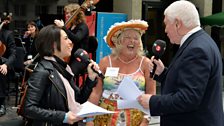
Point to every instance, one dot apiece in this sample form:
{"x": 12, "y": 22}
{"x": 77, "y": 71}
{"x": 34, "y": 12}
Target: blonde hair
{"x": 118, "y": 47}
{"x": 72, "y": 8}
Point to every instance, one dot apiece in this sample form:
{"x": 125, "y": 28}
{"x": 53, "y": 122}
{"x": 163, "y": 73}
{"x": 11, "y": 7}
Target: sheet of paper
{"x": 126, "y": 104}
{"x": 90, "y": 109}
{"x": 129, "y": 92}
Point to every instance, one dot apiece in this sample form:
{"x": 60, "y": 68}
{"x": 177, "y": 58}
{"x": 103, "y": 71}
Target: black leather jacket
{"x": 46, "y": 100}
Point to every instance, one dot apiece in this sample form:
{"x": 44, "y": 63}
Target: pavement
{"x": 155, "y": 121}
{"x": 10, "y": 118}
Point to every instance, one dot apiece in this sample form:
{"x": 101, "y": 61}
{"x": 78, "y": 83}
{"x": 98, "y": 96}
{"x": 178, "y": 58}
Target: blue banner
{"x": 104, "y": 21}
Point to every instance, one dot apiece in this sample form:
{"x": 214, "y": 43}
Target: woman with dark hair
{"x": 78, "y": 32}
{"x": 52, "y": 97}
{"x": 29, "y": 39}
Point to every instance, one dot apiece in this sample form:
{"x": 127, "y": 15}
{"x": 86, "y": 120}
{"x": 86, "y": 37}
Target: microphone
{"x": 158, "y": 49}
{"x": 82, "y": 57}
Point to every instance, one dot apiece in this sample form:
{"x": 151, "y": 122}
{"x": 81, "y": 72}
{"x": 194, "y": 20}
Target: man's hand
{"x": 144, "y": 100}
{"x": 160, "y": 66}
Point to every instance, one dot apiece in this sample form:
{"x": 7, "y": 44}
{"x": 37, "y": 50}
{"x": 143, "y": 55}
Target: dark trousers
{"x": 3, "y": 85}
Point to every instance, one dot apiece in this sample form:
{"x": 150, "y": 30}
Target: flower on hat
{"x": 116, "y": 29}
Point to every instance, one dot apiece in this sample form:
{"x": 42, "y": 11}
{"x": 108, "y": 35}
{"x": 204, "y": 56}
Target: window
{"x": 73, "y": 1}
{"x": 20, "y": 10}
{"x": 60, "y": 10}
{"x": 41, "y": 10}
{"x": 20, "y": 27}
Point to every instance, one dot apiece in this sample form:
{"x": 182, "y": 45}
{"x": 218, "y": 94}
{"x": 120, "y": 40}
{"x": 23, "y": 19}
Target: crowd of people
{"x": 191, "y": 86}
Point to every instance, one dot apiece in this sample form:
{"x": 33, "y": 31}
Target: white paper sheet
{"x": 129, "y": 92}
{"x": 125, "y": 104}
{"x": 90, "y": 109}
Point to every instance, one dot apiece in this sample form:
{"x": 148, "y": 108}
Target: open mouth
{"x": 130, "y": 46}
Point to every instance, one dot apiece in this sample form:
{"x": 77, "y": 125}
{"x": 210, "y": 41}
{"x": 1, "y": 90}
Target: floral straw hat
{"x": 116, "y": 29}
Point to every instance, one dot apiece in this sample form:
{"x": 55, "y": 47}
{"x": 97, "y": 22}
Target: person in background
{"x": 7, "y": 57}
{"x": 52, "y": 97}
{"x": 79, "y": 31}
{"x": 29, "y": 39}
{"x": 127, "y": 55}
{"x": 39, "y": 23}
{"x": 191, "y": 87}
{"x": 79, "y": 35}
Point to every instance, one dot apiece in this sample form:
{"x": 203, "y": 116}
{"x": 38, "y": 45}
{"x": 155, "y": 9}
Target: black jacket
{"x": 46, "y": 99}
{"x": 9, "y": 56}
{"x": 30, "y": 47}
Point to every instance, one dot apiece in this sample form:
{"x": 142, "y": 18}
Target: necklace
{"x": 128, "y": 61}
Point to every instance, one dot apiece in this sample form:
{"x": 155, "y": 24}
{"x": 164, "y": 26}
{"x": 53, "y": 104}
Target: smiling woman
{"x": 53, "y": 80}
{"x": 66, "y": 45}
{"x": 127, "y": 55}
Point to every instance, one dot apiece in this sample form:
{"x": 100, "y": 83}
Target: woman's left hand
{"x": 92, "y": 66}
{"x": 72, "y": 118}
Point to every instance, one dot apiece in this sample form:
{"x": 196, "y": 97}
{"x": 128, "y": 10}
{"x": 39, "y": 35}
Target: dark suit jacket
{"x": 191, "y": 86}
{"x": 8, "y": 58}
{"x": 8, "y": 40}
